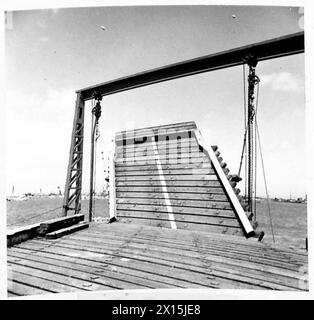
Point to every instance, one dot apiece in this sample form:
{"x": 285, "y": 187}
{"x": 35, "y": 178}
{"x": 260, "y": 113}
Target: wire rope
{"x": 265, "y": 183}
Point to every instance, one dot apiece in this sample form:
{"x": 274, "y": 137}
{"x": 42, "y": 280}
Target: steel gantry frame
{"x": 269, "y": 49}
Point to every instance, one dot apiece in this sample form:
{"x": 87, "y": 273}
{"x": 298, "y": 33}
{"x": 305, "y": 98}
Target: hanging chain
{"x": 253, "y": 80}
{"x": 245, "y": 128}
{"x": 249, "y": 141}
{"x": 96, "y": 112}
{"x": 255, "y": 153}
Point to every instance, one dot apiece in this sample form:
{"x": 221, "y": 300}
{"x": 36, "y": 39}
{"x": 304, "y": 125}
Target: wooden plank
{"x": 63, "y": 279}
{"x": 126, "y": 266}
{"x": 174, "y": 167}
{"x": 190, "y": 226}
{"x": 147, "y": 151}
{"x": 20, "y": 234}
{"x": 208, "y": 204}
{"x": 155, "y": 129}
{"x": 217, "y": 263}
{"x": 42, "y": 281}
{"x": 165, "y": 150}
{"x": 162, "y": 269}
{"x": 138, "y": 209}
{"x": 181, "y": 240}
{"x": 194, "y": 258}
{"x": 190, "y": 160}
{"x": 175, "y": 190}
{"x": 96, "y": 274}
{"x": 19, "y": 287}
{"x": 213, "y": 243}
{"x": 188, "y": 263}
{"x": 62, "y": 232}
{"x": 173, "y": 183}
{"x": 221, "y": 243}
{"x": 166, "y": 172}
{"x": 161, "y": 145}
{"x": 237, "y": 251}
{"x": 172, "y": 177}
{"x": 179, "y": 125}
{"x": 115, "y": 271}
{"x": 59, "y": 223}
{"x": 200, "y": 276}
{"x": 160, "y": 259}
{"x": 161, "y": 248}
{"x": 148, "y": 273}
{"x": 161, "y": 136}
{"x": 172, "y": 156}
{"x": 220, "y": 221}
{"x": 246, "y": 243}
{"x": 157, "y": 194}
{"x": 176, "y": 209}
{"x": 298, "y": 255}
{"x": 164, "y": 156}
{"x": 181, "y": 132}
{"x": 11, "y": 294}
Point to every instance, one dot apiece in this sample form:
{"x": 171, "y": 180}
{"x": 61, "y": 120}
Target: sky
{"x": 49, "y": 54}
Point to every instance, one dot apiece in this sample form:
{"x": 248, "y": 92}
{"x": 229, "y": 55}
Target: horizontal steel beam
{"x": 269, "y": 49}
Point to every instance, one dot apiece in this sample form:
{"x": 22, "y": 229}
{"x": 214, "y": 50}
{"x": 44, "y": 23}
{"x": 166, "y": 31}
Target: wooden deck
{"x": 131, "y": 256}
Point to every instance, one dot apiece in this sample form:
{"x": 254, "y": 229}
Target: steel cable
{"x": 265, "y": 184}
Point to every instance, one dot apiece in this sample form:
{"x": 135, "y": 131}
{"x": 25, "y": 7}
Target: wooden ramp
{"x": 165, "y": 178}
{"x": 131, "y": 256}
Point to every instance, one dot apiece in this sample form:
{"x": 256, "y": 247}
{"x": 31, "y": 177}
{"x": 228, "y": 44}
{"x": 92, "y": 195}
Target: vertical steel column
{"x": 73, "y": 185}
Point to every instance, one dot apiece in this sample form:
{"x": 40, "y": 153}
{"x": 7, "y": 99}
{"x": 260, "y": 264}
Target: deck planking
{"x": 133, "y": 256}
